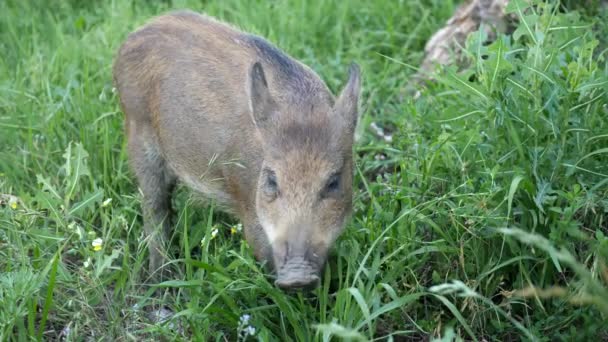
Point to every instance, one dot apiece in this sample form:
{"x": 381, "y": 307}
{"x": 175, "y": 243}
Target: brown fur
{"x": 222, "y": 111}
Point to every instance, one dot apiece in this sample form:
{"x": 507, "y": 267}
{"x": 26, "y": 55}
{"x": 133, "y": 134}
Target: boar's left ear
{"x": 263, "y": 107}
{"x": 347, "y": 103}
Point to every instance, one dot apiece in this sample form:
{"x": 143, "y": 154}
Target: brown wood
{"x": 444, "y": 47}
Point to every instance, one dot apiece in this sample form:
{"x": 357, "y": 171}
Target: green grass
{"x": 486, "y": 217}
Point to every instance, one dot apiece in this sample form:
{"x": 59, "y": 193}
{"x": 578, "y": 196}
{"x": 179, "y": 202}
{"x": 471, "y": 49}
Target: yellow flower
{"x": 235, "y": 229}
{"x": 97, "y": 244}
{"x": 14, "y": 205}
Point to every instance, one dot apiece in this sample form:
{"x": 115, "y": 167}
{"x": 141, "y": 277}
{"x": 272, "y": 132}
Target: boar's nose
{"x": 307, "y": 282}
{"x": 297, "y": 274}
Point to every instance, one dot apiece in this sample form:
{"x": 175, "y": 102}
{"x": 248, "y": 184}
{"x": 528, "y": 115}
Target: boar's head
{"x": 304, "y": 192}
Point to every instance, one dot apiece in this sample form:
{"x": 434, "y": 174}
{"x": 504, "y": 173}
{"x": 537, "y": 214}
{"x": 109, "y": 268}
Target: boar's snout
{"x": 298, "y": 264}
{"x": 297, "y": 274}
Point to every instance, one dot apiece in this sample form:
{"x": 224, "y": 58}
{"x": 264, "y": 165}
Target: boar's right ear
{"x": 347, "y": 103}
{"x": 262, "y": 105}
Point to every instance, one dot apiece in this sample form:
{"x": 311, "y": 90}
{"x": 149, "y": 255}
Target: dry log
{"x": 444, "y": 47}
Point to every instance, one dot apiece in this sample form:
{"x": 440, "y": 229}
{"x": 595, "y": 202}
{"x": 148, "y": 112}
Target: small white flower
{"x": 214, "y": 233}
{"x": 244, "y": 329}
{"x": 97, "y": 244}
{"x": 106, "y": 202}
{"x": 250, "y": 330}
{"x": 87, "y": 263}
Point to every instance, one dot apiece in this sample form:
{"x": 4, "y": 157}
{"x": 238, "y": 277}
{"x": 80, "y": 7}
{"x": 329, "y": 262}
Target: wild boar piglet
{"x": 230, "y": 116}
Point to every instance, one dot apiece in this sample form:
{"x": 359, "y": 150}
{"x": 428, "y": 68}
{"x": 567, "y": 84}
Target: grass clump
{"x": 485, "y": 216}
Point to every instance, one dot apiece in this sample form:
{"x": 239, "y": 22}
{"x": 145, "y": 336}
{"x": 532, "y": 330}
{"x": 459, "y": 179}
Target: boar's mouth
{"x": 298, "y": 274}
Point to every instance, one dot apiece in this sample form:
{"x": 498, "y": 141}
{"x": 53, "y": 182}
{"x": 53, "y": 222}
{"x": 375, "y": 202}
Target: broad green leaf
{"x": 513, "y": 6}
{"x": 75, "y": 167}
{"x": 512, "y": 189}
{"x": 89, "y": 201}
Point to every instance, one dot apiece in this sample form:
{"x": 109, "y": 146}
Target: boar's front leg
{"x": 156, "y": 182}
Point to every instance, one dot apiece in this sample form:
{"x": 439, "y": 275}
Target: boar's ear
{"x": 347, "y": 104}
{"x": 262, "y": 105}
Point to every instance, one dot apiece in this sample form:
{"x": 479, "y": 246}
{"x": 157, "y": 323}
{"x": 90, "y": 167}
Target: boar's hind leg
{"x": 156, "y": 183}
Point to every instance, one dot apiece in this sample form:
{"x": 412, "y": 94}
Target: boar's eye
{"x": 271, "y": 188}
{"x": 332, "y": 185}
